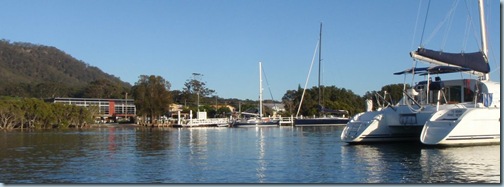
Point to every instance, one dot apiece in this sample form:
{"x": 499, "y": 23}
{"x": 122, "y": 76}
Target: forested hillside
{"x": 29, "y": 70}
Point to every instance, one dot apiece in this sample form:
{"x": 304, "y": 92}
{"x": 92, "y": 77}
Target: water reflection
{"x": 232, "y": 155}
{"x": 479, "y": 164}
{"x": 261, "y": 147}
{"x": 415, "y": 163}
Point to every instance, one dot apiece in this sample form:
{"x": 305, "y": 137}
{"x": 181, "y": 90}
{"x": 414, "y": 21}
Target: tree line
{"x": 35, "y": 113}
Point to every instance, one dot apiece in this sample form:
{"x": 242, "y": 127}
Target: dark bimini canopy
{"x": 433, "y": 70}
{"x": 411, "y": 70}
{"x": 444, "y": 69}
{"x": 474, "y": 61}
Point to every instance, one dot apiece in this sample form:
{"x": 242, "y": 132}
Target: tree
{"x": 290, "y": 101}
{"x": 152, "y": 96}
{"x": 10, "y": 114}
{"x": 195, "y": 89}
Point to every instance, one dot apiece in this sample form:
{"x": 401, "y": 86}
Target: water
{"x": 232, "y": 155}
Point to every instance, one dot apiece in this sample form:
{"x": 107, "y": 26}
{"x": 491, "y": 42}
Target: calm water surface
{"x": 232, "y": 155}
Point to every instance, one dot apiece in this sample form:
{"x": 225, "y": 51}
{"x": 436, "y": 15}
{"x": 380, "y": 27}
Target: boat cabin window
{"x": 468, "y": 94}
{"x": 452, "y": 92}
{"x": 452, "y": 95}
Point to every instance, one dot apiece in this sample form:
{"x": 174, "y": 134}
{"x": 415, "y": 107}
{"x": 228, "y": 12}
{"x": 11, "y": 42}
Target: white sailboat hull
{"x": 463, "y": 127}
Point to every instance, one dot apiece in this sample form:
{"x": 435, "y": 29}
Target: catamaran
{"x": 440, "y": 112}
{"x": 476, "y": 121}
{"x": 405, "y": 120}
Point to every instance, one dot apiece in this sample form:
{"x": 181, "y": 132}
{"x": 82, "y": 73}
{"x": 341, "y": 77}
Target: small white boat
{"x": 202, "y": 121}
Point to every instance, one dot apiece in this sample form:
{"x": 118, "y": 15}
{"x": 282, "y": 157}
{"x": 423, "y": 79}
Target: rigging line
{"x": 416, "y": 24}
{"x": 466, "y": 34}
{"x": 307, "y": 78}
{"x": 450, "y": 23}
{"x": 425, "y": 23}
{"x": 269, "y": 89}
{"x": 473, "y": 26}
{"x": 438, "y": 27}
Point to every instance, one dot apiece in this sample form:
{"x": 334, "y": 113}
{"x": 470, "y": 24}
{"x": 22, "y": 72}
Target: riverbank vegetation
{"x": 35, "y": 113}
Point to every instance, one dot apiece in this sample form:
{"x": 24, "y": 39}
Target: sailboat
{"x": 326, "y": 116}
{"x": 439, "y": 112}
{"x": 476, "y": 121}
{"x": 257, "y": 120}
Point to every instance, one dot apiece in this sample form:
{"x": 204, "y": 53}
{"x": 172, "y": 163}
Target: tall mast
{"x": 260, "y": 91}
{"x": 320, "y": 64}
{"x": 484, "y": 42}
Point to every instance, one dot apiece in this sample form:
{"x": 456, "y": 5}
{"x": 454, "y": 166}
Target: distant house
{"x": 108, "y": 109}
{"x": 174, "y": 109}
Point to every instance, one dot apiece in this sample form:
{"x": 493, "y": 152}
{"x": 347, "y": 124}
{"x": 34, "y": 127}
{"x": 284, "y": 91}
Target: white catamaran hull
{"x": 464, "y": 126}
{"x": 396, "y": 123}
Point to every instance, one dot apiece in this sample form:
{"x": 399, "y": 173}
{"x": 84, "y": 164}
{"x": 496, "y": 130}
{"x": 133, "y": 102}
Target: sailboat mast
{"x": 260, "y": 91}
{"x": 484, "y": 42}
{"x": 320, "y": 64}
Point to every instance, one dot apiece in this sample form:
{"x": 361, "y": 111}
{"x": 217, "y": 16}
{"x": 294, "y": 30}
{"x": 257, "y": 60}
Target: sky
{"x": 363, "y": 41}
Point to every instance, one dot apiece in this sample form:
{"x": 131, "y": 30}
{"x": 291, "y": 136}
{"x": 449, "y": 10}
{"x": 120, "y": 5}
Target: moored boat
{"x": 202, "y": 121}
{"x": 476, "y": 121}
{"x": 325, "y": 116}
{"x": 448, "y": 112}
{"x": 255, "y": 122}
{"x": 258, "y": 120}
{"x": 405, "y": 120}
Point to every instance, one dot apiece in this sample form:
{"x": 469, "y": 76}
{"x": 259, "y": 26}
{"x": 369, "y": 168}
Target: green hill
{"x": 29, "y": 70}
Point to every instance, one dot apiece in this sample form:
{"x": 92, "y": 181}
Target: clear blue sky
{"x": 364, "y": 41}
